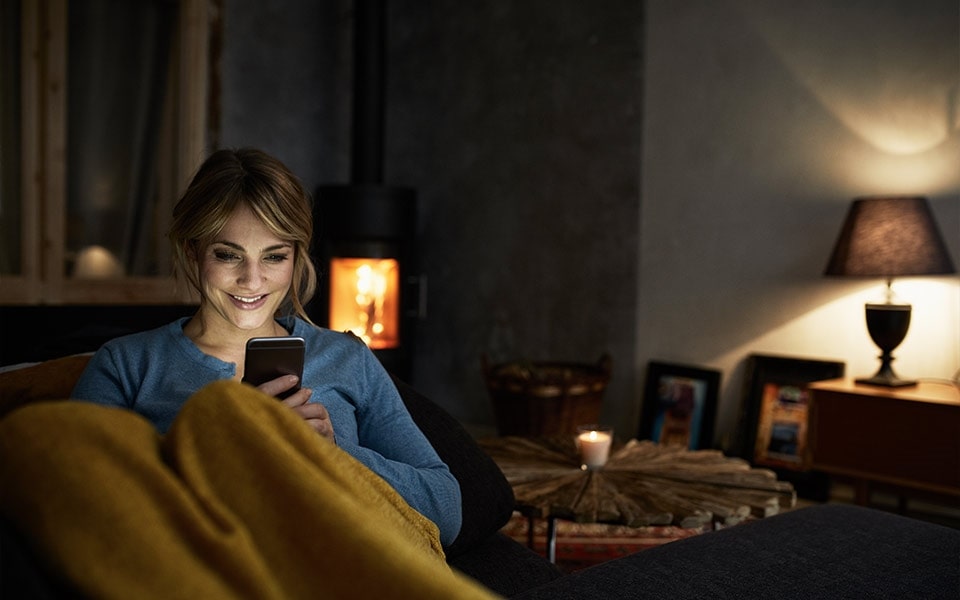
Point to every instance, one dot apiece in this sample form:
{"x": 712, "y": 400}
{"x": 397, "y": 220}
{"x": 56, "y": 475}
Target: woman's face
{"x": 245, "y": 272}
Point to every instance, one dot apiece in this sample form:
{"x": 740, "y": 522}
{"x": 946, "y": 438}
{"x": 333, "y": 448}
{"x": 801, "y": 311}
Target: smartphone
{"x": 270, "y": 357}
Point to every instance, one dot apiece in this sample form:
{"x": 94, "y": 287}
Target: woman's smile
{"x": 248, "y": 303}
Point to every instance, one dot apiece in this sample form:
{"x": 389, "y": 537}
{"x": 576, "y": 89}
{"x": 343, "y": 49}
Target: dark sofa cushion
{"x": 487, "y": 497}
{"x": 826, "y": 551}
{"x": 505, "y": 566}
{"x": 23, "y": 573}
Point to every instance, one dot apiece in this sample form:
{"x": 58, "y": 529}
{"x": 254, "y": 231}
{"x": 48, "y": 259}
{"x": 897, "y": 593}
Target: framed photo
{"x": 777, "y": 405}
{"x": 679, "y": 405}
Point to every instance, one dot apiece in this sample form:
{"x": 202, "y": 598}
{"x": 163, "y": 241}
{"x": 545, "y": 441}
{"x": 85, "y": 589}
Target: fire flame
{"x": 364, "y": 299}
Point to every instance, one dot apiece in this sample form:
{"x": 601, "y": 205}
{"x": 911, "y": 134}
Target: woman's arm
{"x": 389, "y": 442}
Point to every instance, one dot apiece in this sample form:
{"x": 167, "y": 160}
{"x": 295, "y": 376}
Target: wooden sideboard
{"x": 907, "y": 438}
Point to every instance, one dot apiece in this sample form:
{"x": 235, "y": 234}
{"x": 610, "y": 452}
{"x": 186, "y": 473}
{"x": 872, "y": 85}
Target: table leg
{"x": 552, "y": 539}
{"x": 530, "y": 541}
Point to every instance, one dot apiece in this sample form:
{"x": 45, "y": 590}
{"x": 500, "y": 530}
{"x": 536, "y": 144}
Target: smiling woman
{"x": 241, "y": 237}
{"x": 246, "y": 216}
{"x": 241, "y": 234}
{"x": 245, "y": 276}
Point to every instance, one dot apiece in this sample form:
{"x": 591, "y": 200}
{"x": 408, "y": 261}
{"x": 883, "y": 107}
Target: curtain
{"x": 118, "y": 62}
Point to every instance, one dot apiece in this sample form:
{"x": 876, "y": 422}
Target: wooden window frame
{"x": 44, "y": 169}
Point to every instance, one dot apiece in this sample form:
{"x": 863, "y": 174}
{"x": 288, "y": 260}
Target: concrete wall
{"x": 519, "y": 124}
{"x": 659, "y": 180}
{"x": 285, "y": 71}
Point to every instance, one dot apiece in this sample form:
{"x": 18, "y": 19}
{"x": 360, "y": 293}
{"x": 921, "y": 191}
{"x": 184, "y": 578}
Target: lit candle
{"x": 594, "y": 443}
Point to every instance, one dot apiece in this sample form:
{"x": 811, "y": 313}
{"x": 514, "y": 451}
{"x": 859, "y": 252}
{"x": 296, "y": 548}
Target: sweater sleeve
{"x": 391, "y": 445}
{"x": 103, "y": 383}
{"x": 152, "y": 373}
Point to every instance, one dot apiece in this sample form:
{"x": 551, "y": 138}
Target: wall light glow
{"x": 902, "y": 107}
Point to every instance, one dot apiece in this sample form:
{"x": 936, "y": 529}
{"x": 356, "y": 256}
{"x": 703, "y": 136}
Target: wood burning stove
{"x": 366, "y": 230}
{"x": 366, "y": 258}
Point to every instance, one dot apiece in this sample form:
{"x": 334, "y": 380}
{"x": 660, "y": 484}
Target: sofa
{"x": 825, "y": 551}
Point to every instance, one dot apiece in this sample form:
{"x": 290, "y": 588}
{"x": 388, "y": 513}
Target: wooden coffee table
{"x": 642, "y": 484}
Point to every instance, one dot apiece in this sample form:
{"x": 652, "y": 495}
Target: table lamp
{"x": 891, "y": 236}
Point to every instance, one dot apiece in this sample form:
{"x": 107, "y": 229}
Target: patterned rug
{"x": 580, "y": 545}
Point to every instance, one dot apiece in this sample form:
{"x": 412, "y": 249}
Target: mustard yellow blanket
{"x": 240, "y": 499}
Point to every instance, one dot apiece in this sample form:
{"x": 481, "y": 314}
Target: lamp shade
{"x": 889, "y": 237}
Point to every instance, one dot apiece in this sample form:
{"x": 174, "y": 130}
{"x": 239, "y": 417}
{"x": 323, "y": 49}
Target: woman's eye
{"x": 276, "y": 258}
{"x": 225, "y": 256}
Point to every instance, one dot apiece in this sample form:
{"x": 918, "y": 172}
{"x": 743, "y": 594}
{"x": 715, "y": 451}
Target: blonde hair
{"x": 252, "y": 177}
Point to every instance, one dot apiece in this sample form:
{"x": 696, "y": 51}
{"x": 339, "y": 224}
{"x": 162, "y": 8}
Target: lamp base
{"x": 887, "y": 324}
{"x": 886, "y": 380}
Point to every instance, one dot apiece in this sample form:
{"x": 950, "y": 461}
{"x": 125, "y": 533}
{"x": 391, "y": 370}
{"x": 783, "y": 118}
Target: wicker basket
{"x": 545, "y": 398}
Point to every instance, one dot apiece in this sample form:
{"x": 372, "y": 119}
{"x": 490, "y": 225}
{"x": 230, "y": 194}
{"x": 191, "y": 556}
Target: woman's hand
{"x": 314, "y": 413}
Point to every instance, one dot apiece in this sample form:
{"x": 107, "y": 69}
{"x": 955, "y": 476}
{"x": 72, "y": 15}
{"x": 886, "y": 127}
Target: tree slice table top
{"x": 642, "y": 483}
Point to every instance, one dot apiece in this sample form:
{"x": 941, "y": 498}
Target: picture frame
{"x": 776, "y": 416}
{"x": 679, "y": 405}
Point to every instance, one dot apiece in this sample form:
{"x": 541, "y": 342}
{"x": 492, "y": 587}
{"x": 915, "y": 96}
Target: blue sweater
{"x": 154, "y": 372}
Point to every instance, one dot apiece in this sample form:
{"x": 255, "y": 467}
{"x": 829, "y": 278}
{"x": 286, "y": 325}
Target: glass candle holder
{"x": 593, "y": 442}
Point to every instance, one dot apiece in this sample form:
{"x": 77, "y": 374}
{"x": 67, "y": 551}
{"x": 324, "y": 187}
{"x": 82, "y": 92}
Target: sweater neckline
{"x": 185, "y": 344}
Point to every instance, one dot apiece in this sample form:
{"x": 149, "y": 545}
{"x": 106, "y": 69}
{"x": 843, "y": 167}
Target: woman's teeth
{"x": 248, "y": 300}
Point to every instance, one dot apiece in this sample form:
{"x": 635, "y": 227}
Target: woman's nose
{"x": 250, "y": 273}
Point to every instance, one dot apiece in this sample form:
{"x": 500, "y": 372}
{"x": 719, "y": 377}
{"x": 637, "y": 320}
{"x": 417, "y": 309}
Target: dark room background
{"x": 517, "y": 123}
{"x": 657, "y": 180}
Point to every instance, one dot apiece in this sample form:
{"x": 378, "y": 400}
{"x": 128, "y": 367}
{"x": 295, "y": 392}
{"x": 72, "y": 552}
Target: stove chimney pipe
{"x": 368, "y": 91}
{"x": 365, "y": 218}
